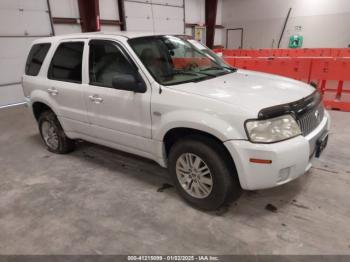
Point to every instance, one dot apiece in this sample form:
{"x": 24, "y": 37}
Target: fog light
{"x": 283, "y": 174}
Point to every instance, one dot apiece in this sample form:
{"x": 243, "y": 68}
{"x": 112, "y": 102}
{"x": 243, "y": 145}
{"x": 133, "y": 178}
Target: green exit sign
{"x": 295, "y": 41}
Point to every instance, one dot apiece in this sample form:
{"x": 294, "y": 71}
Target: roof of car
{"x": 98, "y": 34}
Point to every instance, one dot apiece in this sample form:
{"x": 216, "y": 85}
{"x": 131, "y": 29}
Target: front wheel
{"x": 202, "y": 173}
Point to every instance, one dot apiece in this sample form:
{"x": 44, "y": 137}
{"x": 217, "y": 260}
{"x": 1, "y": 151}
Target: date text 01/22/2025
{"x": 173, "y": 258}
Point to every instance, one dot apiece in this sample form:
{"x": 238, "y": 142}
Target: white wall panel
{"x": 20, "y": 18}
{"x": 12, "y": 47}
{"x": 110, "y": 28}
{"x": 36, "y": 22}
{"x": 13, "y": 18}
{"x": 138, "y": 10}
{"x": 162, "y": 26}
{"x": 61, "y": 29}
{"x": 9, "y": 4}
{"x": 195, "y": 11}
{"x": 139, "y": 24}
{"x": 169, "y": 2}
{"x": 38, "y": 5}
{"x": 168, "y": 12}
{"x": 168, "y": 19}
{"x": 64, "y": 8}
{"x": 159, "y": 16}
{"x": 11, "y": 94}
{"x": 12, "y": 69}
{"x": 141, "y": 1}
{"x": 218, "y": 37}
{"x": 138, "y": 17}
{"x": 109, "y": 9}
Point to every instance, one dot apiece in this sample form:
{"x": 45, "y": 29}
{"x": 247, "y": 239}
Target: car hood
{"x": 250, "y": 91}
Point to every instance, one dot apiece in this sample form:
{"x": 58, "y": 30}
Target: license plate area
{"x": 321, "y": 144}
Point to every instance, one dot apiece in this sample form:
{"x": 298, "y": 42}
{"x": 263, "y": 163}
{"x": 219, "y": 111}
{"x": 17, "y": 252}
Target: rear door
{"x": 64, "y": 85}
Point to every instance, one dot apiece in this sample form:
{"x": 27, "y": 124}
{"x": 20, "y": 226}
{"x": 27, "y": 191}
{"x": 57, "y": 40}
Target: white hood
{"x": 251, "y": 91}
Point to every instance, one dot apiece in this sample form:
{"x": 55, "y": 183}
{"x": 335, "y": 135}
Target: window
{"x": 106, "y": 60}
{"x": 174, "y": 60}
{"x": 66, "y": 64}
{"x": 36, "y": 58}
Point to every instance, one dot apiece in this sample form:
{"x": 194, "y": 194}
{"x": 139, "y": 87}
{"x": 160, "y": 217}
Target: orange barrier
{"x": 333, "y": 79}
{"x": 294, "y": 68}
{"x": 331, "y": 74}
{"x": 180, "y": 63}
{"x": 300, "y": 52}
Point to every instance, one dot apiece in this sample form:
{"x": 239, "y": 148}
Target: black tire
{"x": 225, "y": 186}
{"x": 64, "y": 145}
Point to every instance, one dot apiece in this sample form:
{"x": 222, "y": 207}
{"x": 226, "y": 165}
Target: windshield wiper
{"x": 187, "y": 73}
{"x": 180, "y": 73}
{"x": 219, "y": 68}
{"x": 199, "y": 77}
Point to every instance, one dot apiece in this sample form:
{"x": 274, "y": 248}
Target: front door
{"x": 118, "y": 116}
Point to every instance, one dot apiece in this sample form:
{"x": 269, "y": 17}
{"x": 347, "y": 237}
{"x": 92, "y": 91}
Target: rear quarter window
{"x": 36, "y": 58}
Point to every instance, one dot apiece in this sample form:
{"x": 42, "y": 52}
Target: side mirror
{"x": 313, "y": 84}
{"x": 128, "y": 82}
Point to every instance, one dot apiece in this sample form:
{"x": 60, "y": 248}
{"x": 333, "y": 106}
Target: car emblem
{"x": 317, "y": 114}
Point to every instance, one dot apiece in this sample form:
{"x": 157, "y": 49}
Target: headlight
{"x": 273, "y": 129}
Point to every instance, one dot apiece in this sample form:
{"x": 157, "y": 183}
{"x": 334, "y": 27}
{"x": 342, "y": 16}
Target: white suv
{"x": 171, "y": 99}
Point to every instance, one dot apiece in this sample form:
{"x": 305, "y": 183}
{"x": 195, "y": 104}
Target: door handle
{"x": 96, "y": 99}
{"x": 52, "y": 91}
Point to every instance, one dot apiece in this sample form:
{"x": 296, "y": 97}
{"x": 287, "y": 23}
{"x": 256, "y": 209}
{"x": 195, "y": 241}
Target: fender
{"x": 43, "y": 97}
{"x": 198, "y": 120}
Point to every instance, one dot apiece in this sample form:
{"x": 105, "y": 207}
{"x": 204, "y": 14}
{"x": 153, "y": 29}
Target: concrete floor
{"x": 101, "y": 201}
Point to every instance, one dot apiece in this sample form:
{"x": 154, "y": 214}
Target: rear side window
{"x": 36, "y": 58}
{"x": 66, "y": 64}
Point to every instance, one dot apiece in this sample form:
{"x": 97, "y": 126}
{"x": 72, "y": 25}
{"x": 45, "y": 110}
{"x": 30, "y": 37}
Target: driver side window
{"x": 106, "y": 61}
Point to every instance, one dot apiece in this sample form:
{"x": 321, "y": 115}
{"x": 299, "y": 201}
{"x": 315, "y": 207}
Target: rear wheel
{"x": 202, "y": 172}
{"x": 53, "y": 135}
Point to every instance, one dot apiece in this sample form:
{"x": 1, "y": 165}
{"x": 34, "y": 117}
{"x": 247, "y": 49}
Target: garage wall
{"x": 158, "y": 16}
{"x": 21, "y": 21}
{"x": 195, "y": 14}
{"x": 65, "y": 9}
{"x": 322, "y": 23}
{"x": 109, "y": 11}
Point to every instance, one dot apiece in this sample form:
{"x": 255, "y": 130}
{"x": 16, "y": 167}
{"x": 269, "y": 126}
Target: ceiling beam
{"x": 121, "y": 10}
{"x": 90, "y": 15}
{"x": 210, "y": 19}
{"x": 65, "y": 20}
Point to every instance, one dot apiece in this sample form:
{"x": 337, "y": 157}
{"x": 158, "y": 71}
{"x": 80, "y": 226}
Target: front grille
{"x": 311, "y": 119}
{"x": 308, "y": 112}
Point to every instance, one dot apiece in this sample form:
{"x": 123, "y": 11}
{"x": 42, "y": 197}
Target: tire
{"x": 224, "y": 186}
{"x": 57, "y": 141}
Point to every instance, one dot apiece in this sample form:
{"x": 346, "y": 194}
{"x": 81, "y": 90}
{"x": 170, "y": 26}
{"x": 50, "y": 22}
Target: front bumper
{"x": 27, "y": 101}
{"x": 290, "y": 158}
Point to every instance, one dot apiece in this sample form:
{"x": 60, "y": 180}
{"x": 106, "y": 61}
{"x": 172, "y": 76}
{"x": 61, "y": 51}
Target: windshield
{"x": 174, "y": 60}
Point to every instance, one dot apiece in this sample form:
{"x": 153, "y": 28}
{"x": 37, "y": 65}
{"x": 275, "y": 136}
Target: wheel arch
{"x": 39, "y": 107}
{"x": 41, "y": 100}
{"x": 175, "y": 134}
